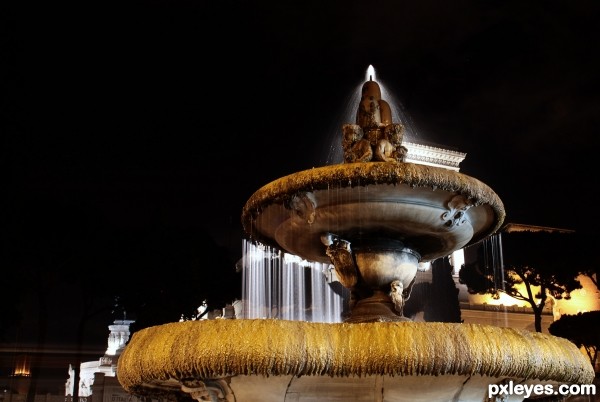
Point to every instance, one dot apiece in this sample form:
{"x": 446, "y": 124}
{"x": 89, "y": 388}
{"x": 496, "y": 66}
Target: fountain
{"x": 375, "y": 218}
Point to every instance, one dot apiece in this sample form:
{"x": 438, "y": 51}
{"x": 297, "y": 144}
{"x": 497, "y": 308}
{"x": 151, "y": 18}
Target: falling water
{"x": 348, "y": 115}
{"x": 494, "y": 264}
{"x": 283, "y": 286}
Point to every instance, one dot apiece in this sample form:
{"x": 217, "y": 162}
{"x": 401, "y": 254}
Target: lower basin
{"x": 278, "y": 360}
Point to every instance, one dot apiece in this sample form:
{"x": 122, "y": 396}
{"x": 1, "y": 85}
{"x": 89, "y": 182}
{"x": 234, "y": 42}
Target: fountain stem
{"x": 379, "y": 272}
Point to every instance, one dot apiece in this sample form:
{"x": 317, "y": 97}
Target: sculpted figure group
{"x": 374, "y": 137}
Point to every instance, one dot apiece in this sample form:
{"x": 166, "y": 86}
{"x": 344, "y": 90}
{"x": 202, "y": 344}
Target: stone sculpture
{"x": 374, "y": 137}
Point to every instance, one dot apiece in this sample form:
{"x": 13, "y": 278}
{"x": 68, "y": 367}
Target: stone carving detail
{"x": 457, "y": 207}
{"x": 304, "y": 204}
{"x": 399, "y": 294}
{"x": 374, "y": 137}
{"x": 339, "y": 252}
{"x": 215, "y": 390}
{"x": 389, "y": 148}
{"x": 356, "y": 148}
{"x": 197, "y": 390}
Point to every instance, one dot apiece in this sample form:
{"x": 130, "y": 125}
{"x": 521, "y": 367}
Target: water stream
{"x": 283, "y": 286}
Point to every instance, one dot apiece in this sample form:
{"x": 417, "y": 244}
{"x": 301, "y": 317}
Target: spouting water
{"x": 370, "y": 73}
{"x": 283, "y": 286}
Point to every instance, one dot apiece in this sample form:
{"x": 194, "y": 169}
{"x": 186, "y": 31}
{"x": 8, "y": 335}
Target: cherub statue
{"x": 374, "y": 137}
{"x": 339, "y": 252}
{"x": 396, "y": 289}
{"x": 356, "y": 148}
{"x": 399, "y": 294}
{"x": 389, "y": 148}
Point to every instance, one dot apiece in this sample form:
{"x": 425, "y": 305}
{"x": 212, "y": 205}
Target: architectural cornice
{"x": 519, "y": 227}
{"x": 433, "y": 156}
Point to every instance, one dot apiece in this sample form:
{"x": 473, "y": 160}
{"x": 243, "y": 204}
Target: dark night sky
{"x": 135, "y": 131}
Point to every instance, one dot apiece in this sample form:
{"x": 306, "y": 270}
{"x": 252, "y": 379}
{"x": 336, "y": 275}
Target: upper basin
{"x": 432, "y": 210}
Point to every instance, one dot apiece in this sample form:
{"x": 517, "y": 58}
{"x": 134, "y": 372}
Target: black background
{"x": 133, "y": 132}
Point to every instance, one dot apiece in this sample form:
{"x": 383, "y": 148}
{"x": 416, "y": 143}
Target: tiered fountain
{"x": 374, "y": 217}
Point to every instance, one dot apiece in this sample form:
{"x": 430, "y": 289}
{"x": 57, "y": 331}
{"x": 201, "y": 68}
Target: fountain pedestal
{"x": 379, "y": 272}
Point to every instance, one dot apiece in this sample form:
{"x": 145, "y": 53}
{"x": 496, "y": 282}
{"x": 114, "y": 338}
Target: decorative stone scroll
{"x": 214, "y": 390}
{"x": 457, "y": 207}
{"x": 304, "y": 204}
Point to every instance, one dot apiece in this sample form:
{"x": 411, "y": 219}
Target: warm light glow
{"x": 502, "y": 300}
{"x": 582, "y": 300}
{"x": 22, "y": 367}
{"x": 585, "y": 299}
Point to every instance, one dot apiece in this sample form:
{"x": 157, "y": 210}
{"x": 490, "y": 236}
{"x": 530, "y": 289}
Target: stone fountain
{"x": 375, "y": 218}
